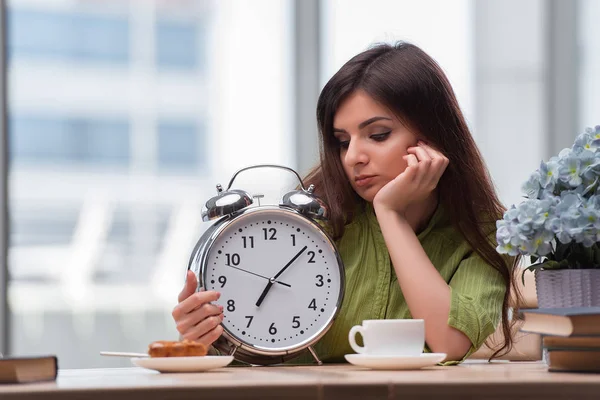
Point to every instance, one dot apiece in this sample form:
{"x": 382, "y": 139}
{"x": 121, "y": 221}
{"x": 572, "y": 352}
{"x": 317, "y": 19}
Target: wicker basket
{"x": 568, "y": 288}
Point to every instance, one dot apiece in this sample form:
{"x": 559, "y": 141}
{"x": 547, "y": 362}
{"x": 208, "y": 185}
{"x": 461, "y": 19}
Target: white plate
{"x": 182, "y": 364}
{"x": 395, "y": 362}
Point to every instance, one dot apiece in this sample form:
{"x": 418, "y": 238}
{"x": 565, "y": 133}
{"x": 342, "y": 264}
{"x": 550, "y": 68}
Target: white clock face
{"x": 278, "y": 276}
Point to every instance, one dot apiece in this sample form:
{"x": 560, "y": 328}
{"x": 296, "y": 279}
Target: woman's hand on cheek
{"x": 425, "y": 166}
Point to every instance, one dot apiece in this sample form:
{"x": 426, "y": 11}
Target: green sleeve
{"x": 477, "y": 292}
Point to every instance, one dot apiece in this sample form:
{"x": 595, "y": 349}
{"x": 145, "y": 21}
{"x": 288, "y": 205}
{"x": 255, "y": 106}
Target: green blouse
{"x": 373, "y": 291}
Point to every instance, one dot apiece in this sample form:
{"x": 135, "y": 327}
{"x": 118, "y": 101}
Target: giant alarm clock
{"x": 279, "y": 273}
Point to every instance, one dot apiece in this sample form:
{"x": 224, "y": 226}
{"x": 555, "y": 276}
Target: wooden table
{"x": 498, "y": 380}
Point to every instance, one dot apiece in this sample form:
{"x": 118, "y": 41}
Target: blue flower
{"x": 532, "y": 186}
{"x": 548, "y": 174}
{"x": 562, "y": 205}
{"x": 569, "y": 170}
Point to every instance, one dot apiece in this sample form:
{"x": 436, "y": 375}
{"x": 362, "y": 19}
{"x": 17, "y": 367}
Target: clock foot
{"x": 233, "y": 350}
{"x": 314, "y": 354}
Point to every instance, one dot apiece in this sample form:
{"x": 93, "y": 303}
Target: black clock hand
{"x": 270, "y": 283}
{"x": 264, "y": 293}
{"x": 290, "y": 262}
{"x": 264, "y": 277}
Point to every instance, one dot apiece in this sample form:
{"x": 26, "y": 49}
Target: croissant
{"x": 185, "y": 348}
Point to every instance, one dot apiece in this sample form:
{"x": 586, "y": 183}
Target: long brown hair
{"x": 411, "y": 84}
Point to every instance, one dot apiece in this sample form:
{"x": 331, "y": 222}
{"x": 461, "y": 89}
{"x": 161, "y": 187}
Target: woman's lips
{"x": 364, "y": 180}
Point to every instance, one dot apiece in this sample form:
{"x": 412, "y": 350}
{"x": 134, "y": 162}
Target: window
{"x": 31, "y": 226}
{"x": 178, "y": 146}
{"x": 177, "y": 44}
{"x": 112, "y": 113}
{"x": 589, "y": 80}
{"x": 67, "y": 36}
{"x": 39, "y": 140}
{"x": 134, "y": 239}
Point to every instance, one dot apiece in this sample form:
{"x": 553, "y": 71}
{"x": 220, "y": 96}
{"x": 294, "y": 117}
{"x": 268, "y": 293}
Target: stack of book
{"x": 570, "y": 336}
{"x": 28, "y": 369}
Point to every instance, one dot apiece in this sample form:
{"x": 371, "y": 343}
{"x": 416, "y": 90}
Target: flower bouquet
{"x": 558, "y": 224}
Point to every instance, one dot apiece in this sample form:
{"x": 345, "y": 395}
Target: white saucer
{"x": 182, "y": 364}
{"x": 395, "y": 362}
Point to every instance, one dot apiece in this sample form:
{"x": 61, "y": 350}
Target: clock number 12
{"x": 270, "y": 233}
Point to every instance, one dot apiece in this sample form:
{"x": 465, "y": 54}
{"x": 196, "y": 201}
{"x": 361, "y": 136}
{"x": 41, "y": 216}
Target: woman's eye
{"x": 344, "y": 144}
{"x": 380, "y": 137}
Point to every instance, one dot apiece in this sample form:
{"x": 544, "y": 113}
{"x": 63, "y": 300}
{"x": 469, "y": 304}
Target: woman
{"x": 413, "y": 210}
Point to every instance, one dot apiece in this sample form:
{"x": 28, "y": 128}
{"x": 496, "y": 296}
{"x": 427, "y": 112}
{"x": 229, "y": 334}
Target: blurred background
{"x": 121, "y": 116}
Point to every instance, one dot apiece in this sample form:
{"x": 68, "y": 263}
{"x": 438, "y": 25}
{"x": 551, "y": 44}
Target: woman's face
{"x": 372, "y": 142}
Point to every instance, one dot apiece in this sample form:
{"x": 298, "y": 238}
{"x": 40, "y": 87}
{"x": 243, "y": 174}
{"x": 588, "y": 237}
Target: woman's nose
{"x": 356, "y": 154}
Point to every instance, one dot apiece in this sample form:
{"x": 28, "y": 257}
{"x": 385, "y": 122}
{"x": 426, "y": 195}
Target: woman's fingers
{"x": 192, "y": 319}
{"x": 433, "y": 153}
{"x": 189, "y": 288}
{"x": 424, "y": 162}
{"x": 203, "y": 327}
{"x": 436, "y": 157}
{"x": 439, "y": 162}
{"x": 195, "y": 316}
{"x": 210, "y": 337}
{"x": 194, "y": 301}
{"x": 432, "y": 163}
{"x": 411, "y": 160}
{"x": 420, "y": 152}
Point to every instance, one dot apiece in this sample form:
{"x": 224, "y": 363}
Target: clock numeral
{"x": 248, "y": 240}
{"x": 296, "y": 322}
{"x": 320, "y": 281}
{"x": 222, "y": 280}
{"x": 313, "y": 304}
{"x": 270, "y": 231}
{"x": 272, "y": 329}
{"x": 250, "y": 318}
{"x": 293, "y": 235}
{"x": 312, "y": 257}
{"x": 230, "y": 305}
{"x": 232, "y": 259}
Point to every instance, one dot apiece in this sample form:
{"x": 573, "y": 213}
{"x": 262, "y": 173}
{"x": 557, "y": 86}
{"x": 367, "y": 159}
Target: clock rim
{"x": 199, "y": 259}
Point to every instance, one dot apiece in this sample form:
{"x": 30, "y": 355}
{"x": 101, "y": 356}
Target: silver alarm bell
{"x": 231, "y": 200}
{"x": 304, "y": 201}
{"x": 225, "y": 203}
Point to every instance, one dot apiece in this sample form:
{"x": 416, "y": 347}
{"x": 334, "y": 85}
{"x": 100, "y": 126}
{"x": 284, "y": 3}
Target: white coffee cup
{"x": 399, "y": 337}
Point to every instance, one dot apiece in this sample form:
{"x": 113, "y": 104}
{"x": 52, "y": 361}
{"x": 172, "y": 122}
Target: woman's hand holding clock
{"x": 195, "y": 317}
